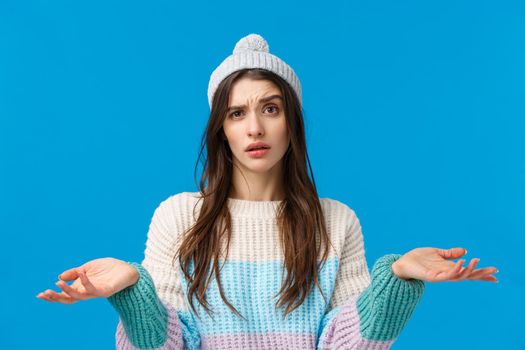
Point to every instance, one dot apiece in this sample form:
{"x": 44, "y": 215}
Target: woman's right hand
{"x": 99, "y": 278}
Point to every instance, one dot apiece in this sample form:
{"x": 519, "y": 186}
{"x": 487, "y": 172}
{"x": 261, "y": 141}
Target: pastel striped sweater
{"x": 365, "y": 311}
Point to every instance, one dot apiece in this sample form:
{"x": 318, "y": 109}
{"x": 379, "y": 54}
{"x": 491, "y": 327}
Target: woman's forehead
{"x": 251, "y": 91}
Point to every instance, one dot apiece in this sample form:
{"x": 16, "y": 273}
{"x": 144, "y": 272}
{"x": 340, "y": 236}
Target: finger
{"x": 44, "y": 296}
{"x": 468, "y": 270}
{"x": 483, "y": 272}
{"x": 51, "y": 296}
{"x": 483, "y": 277}
{"x": 90, "y": 288}
{"x": 70, "y": 291}
{"x": 489, "y": 279}
{"x": 69, "y": 275}
{"x": 60, "y": 297}
{"x": 452, "y": 253}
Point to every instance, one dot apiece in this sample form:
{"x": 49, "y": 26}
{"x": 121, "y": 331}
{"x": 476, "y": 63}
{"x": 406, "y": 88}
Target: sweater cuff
{"x": 388, "y": 303}
{"x": 141, "y": 311}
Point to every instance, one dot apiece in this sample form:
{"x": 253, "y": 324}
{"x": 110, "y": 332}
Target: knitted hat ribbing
{"x": 252, "y": 51}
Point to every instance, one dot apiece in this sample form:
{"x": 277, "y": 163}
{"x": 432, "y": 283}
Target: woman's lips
{"x": 258, "y": 153}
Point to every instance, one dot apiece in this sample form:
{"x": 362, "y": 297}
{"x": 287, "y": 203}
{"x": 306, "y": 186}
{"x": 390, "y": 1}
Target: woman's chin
{"x": 259, "y": 166}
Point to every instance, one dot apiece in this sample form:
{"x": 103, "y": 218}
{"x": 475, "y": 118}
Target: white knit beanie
{"x": 252, "y": 51}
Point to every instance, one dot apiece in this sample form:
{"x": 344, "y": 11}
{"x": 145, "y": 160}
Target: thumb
{"x": 452, "y": 253}
{"x": 69, "y": 275}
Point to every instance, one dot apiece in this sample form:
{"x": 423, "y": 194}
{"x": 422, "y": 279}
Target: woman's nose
{"x": 255, "y": 125}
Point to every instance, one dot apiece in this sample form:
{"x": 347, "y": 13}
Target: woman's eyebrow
{"x": 262, "y": 100}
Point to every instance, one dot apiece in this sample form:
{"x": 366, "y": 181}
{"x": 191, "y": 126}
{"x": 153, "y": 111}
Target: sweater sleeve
{"x": 152, "y": 312}
{"x": 366, "y": 312}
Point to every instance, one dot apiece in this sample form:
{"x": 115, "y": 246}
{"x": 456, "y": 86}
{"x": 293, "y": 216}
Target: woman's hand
{"x": 99, "y": 278}
{"x": 432, "y": 265}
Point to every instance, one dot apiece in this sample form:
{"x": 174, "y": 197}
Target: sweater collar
{"x": 254, "y": 209}
{"x": 249, "y": 208}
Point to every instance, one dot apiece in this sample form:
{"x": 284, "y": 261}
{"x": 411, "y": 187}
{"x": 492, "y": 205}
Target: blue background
{"x": 414, "y": 115}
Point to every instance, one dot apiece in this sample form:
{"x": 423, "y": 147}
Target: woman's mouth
{"x": 257, "y": 153}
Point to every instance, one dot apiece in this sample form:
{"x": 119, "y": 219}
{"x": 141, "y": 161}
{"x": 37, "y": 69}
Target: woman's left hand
{"x": 433, "y": 265}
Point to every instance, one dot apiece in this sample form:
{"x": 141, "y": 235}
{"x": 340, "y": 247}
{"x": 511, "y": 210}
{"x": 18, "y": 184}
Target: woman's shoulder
{"x": 181, "y": 203}
{"x": 176, "y": 212}
{"x": 337, "y": 208}
{"x": 180, "y": 197}
{"x": 341, "y": 221}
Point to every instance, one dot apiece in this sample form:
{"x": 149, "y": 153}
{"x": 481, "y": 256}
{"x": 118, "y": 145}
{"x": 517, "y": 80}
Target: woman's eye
{"x": 274, "y": 108}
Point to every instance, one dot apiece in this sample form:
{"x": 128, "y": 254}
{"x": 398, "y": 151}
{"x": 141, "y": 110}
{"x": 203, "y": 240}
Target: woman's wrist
{"x": 396, "y": 268}
{"x": 135, "y": 274}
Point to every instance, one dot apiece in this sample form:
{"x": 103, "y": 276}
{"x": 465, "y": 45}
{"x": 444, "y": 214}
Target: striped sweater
{"x": 363, "y": 310}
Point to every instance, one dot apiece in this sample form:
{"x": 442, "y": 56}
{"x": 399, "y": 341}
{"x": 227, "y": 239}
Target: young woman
{"x": 255, "y": 259}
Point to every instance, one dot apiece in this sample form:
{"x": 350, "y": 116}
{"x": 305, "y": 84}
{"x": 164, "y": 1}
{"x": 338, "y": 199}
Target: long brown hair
{"x": 300, "y": 217}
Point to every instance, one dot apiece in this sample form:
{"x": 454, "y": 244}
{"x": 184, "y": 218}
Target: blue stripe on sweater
{"x": 249, "y": 286}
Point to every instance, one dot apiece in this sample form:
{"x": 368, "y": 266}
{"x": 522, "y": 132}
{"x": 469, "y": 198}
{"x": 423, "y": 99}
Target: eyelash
{"x": 272, "y": 106}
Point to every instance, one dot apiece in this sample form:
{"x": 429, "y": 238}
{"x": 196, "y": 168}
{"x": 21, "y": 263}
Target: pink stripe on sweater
{"x": 344, "y": 332}
{"x": 267, "y": 341}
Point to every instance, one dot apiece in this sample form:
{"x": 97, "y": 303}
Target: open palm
{"x": 433, "y": 265}
{"x": 99, "y": 278}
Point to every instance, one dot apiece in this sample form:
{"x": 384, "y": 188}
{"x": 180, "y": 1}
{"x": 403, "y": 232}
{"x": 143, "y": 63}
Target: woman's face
{"x": 252, "y": 116}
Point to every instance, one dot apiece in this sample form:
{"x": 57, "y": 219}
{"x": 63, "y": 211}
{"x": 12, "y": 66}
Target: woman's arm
{"x": 152, "y": 312}
{"x": 366, "y": 312}
{"x": 145, "y": 322}
{"x": 376, "y": 317}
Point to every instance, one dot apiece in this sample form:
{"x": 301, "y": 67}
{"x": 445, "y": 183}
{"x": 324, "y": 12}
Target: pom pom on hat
{"x": 253, "y": 42}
